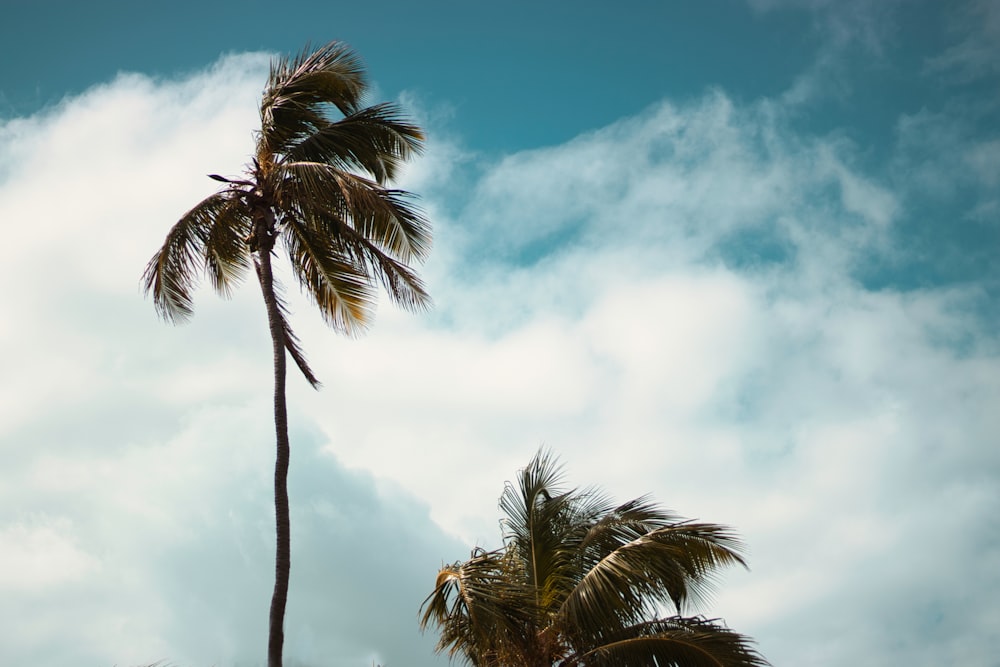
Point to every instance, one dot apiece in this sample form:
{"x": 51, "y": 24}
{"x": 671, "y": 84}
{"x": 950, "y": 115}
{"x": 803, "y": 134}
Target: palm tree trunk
{"x": 283, "y": 554}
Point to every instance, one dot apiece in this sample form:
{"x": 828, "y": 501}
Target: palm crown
{"x": 582, "y": 581}
{"x": 317, "y": 181}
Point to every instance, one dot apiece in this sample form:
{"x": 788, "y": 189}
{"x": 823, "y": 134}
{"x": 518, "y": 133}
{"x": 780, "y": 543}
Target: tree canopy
{"x": 581, "y": 580}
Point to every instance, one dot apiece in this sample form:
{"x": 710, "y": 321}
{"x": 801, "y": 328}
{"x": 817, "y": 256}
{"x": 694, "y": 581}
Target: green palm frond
{"x": 401, "y": 282}
{"x": 335, "y": 281}
{"x": 291, "y": 339}
{"x": 205, "y": 239}
{"x": 227, "y": 257}
{"x": 605, "y": 527}
{"x": 674, "y": 563}
{"x": 388, "y": 218}
{"x": 537, "y": 513}
{"x": 382, "y": 216}
{"x": 322, "y": 227}
{"x": 542, "y": 478}
{"x": 300, "y": 90}
{"x": 674, "y": 642}
{"x": 375, "y": 140}
{"x": 480, "y": 608}
{"x": 695, "y": 550}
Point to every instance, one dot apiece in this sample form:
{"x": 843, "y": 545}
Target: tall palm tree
{"x": 318, "y": 182}
{"x": 581, "y": 581}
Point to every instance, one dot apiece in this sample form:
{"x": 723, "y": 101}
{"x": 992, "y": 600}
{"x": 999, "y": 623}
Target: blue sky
{"x": 736, "y": 255}
{"x": 518, "y": 75}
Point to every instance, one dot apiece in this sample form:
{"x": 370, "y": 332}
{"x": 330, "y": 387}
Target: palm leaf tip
{"x": 208, "y": 239}
{"x": 290, "y": 338}
{"x": 171, "y": 299}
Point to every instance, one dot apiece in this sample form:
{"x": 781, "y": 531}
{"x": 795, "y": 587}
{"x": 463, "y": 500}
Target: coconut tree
{"x": 317, "y": 189}
{"x": 581, "y": 581}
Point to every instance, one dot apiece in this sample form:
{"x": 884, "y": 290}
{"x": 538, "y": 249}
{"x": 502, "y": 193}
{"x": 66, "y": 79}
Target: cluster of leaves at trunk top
{"x": 316, "y": 183}
{"x": 582, "y": 581}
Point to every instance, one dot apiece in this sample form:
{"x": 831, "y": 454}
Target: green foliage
{"x": 581, "y": 581}
{"x": 317, "y": 183}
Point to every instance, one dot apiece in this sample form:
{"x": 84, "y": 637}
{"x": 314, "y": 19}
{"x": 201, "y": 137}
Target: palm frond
{"x": 289, "y": 336}
{"x": 674, "y": 642}
{"x": 537, "y": 515}
{"x": 541, "y": 478}
{"x": 333, "y": 279}
{"x": 401, "y": 283}
{"x": 675, "y": 563}
{"x": 603, "y": 528}
{"x": 382, "y": 216}
{"x": 388, "y": 218}
{"x": 204, "y": 239}
{"x": 480, "y": 610}
{"x": 323, "y": 224}
{"x": 375, "y": 140}
{"x": 227, "y": 256}
{"x": 300, "y": 90}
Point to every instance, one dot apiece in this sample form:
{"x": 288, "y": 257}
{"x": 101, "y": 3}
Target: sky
{"x": 739, "y": 256}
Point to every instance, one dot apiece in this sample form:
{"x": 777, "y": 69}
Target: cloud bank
{"x": 688, "y": 303}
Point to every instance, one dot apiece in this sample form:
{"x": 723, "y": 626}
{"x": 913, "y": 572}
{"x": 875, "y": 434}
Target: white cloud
{"x": 843, "y": 24}
{"x": 42, "y": 556}
{"x": 671, "y": 303}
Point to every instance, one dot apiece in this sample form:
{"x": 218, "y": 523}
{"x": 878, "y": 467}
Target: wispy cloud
{"x": 975, "y": 53}
{"x": 843, "y": 24}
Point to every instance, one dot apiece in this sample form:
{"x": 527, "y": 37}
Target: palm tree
{"x": 318, "y": 182}
{"x": 581, "y": 581}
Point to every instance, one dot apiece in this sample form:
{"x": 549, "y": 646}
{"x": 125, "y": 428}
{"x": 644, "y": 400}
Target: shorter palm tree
{"x": 581, "y": 581}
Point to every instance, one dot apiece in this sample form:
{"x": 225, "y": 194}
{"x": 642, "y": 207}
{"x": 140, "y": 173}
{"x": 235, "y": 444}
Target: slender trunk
{"x": 283, "y": 553}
